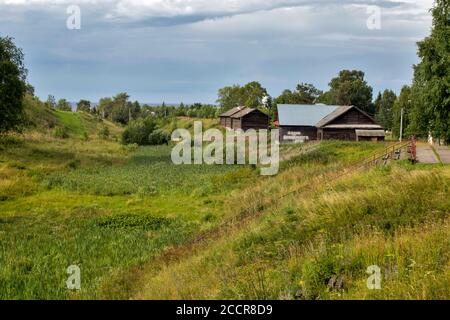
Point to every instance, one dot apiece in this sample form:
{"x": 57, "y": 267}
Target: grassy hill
{"x": 140, "y": 227}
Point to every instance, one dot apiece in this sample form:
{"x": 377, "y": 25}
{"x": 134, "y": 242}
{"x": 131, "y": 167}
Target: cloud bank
{"x": 184, "y": 50}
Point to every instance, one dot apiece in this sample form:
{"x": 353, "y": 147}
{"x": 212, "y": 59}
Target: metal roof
{"x": 303, "y": 114}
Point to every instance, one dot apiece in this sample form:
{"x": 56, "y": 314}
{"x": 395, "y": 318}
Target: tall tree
{"x": 304, "y": 93}
{"x": 84, "y": 106}
{"x": 12, "y": 85}
{"x": 431, "y": 85}
{"x": 51, "y": 102}
{"x": 384, "y": 105}
{"x": 403, "y": 102}
{"x": 105, "y": 106}
{"x": 251, "y": 95}
{"x": 350, "y": 88}
{"x": 230, "y": 97}
{"x": 120, "y": 112}
{"x": 63, "y": 105}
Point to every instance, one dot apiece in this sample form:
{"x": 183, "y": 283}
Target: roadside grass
{"x": 305, "y": 245}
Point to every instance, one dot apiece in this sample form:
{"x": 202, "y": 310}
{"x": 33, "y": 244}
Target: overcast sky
{"x": 185, "y": 50}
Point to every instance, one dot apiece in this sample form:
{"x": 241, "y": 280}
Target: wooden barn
{"x": 245, "y": 119}
{"x": 225, "y": 118}
{"x": 300, "y": 123}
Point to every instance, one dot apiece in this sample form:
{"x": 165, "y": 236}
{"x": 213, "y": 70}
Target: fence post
{"x": 413, "y": 149}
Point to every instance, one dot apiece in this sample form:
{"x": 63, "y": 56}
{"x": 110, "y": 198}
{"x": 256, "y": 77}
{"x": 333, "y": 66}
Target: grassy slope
{"x": 112, "y": 210}
{"x": 96, "y": 204}
{"x": 395, "y": 217}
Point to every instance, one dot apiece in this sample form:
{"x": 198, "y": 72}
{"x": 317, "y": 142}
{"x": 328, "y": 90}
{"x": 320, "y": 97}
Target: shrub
{"x": 144, "y": 132}
{"x": 104, "y": 133}
{"x": 61, "y": 133}
{"x": 138, "y": 132}
{"x": 158, "y": 137}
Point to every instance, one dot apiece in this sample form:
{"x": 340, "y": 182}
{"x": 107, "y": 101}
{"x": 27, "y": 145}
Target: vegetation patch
{"x": 146, "y": 222}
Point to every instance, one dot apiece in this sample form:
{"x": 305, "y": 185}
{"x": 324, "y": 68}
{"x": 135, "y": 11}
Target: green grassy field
{"x": 128, "y": 218}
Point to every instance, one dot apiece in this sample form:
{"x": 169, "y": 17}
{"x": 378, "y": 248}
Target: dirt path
{"x": 444, "y": 154}
{"x": 425, "y": 154}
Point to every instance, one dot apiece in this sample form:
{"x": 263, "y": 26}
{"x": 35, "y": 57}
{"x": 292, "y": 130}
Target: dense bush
{"x": 158, "y": 137}
{"x": 144, "y": 132}
{"x": 103, "y": 133}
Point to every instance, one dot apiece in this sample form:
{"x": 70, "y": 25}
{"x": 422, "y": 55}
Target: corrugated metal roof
{"x": 303, "y": 114}
{"x": 233, "y": 111}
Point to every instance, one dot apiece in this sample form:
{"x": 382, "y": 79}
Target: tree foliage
{"x": 12, "y": 85}
{"x": 350, "y": 88}
{"x": 431, "y": 84}
{"x": 144, "y": 132}
{"x": 384, "y": 105}
{"x": 84, "y": 106}
{"x": 252, "y": 95}
{"x": 404, "y": 102}
{"x": 51, "y": 102}
{"x": 63, "y": 105}
{"x": 305, "y": 93}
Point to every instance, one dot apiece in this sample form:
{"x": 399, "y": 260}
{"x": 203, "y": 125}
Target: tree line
{"x": 424, "y": 104}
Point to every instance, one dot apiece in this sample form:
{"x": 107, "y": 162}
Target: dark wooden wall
{"x": 371, "y": 138}
{"x": 254, "y": 120}
{"x": 353, "y": 117}
{"x": 228, "y": 122}
{"x": 236, "y": 123}
{"x": 309, "y": 131}
{"x": 338, "y": 134}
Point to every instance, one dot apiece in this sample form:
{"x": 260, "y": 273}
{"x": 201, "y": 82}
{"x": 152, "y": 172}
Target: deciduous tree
{"x": 12, "y": 85}
{"x": 431, "y": 85}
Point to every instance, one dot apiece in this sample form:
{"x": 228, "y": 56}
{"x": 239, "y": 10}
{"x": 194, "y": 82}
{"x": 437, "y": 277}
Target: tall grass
{"x": 100, "y": 206}
{"x": 319, "y": 242}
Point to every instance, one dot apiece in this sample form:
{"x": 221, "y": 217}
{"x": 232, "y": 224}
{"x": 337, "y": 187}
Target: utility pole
{"x": 401, "y": 124}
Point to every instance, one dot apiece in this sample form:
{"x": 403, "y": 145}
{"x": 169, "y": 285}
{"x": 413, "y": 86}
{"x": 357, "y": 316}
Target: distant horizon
{"x": 186, "y": 51}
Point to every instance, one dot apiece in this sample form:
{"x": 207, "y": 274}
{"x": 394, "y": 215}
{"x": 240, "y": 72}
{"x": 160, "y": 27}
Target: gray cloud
{"x": 187, "y": 57}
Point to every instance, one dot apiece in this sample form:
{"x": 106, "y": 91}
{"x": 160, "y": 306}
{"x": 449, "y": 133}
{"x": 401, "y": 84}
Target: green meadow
{"x": 131, "y": 221}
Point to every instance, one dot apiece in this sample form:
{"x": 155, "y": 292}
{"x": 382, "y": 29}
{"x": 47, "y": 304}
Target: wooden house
{"x": 300, "y": 123}
{"x": 245, "y": 119}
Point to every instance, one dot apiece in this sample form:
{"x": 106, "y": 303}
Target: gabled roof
{"x": 333, "y": 115}
{"x": 243, "y": 113}
{"x": 233, "y": 111}
{"x": 339, "y": 112}
{"x": 303, "y": 114}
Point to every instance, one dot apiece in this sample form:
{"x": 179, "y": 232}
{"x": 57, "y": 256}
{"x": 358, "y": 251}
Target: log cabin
{"x": 301, "y": 123}
{"x": 245, "y": 119}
